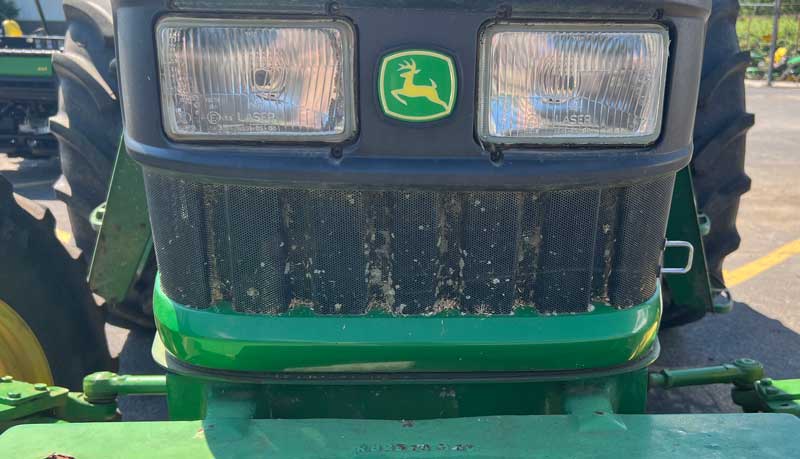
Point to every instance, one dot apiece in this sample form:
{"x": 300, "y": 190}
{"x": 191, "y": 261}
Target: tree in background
{"x": 8, "y": 10}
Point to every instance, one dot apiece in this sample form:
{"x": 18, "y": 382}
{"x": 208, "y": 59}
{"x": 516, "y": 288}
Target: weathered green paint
{"x": 19, "y": 399}
{"x": 691, "y": 292}
{"x": 780, "y": 396}
{"x": 772, "y": 396}
{"x": 22, "y": 402}
{"x": 742, "y": 372}
{"x": 105, "y": 386}
{"x": 186, "y": 397}
{"x": 26, "y": 66}
{"x": 226, "y": 340}
{"x": 78, "y": 409}
{"x": 124, "y": 242}
{"x": 509, "y": 437}
{"x": 193, "y": 397}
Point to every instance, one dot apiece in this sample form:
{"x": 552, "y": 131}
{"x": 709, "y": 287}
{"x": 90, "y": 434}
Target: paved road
{"x": 765, "y": 321}
{"x": 764, "y": 324}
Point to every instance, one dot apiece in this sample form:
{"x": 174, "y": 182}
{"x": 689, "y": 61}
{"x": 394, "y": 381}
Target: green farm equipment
{"x": 28, "y": 91}
{"x": 401, "y": 229}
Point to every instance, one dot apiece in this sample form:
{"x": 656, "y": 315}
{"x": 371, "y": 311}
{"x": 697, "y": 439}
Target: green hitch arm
{"x": 104, "y": 386}
{"x": 741, "y": 373}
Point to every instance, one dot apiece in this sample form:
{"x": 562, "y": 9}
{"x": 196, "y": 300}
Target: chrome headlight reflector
{"x": 260, "y": 79}
{"x": 565, "y": 83}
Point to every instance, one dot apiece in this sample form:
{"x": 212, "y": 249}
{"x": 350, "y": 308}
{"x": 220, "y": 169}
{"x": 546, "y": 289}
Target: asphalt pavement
{"x": 765, "y": 320}
{"x": 764, "y": 324}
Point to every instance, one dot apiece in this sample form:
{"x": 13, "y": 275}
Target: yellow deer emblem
{"x": 411, "y": 89}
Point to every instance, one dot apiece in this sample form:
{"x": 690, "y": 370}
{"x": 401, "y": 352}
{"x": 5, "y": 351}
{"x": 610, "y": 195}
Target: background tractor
{"x": 338, "y": 276}
{"x": 28, "y": 87}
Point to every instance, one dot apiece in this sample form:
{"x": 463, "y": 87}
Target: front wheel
{"x": 51, "y": 330}
{"x": 721, "y": 123}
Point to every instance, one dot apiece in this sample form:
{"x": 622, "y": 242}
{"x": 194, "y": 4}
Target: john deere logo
{"x": 417, "y": 85}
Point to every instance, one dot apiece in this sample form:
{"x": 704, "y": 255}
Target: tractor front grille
{"x": 267, "y": 250}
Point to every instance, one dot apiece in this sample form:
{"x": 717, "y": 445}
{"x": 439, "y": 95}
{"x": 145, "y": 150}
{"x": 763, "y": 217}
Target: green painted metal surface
{"x": 22, "y": 402}
{"x": 106, "y": 386}
{"x": 642, "y": 436}
{"x": 124, "y": 242}
{"x": 19, "y": 399}
{"x": 192, "y": 397}
{"x": 26, "y": 66}
{"x": 692, "y": 291}
{"x": 780, "y": 396}
{"x": 742, "y": 373}
{"x": 768, "y": 395}
{"x": 225, "y": 340}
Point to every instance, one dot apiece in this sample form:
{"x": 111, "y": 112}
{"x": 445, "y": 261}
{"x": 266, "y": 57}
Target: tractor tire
{"x": 88, "y": 124}
{"x": 48, "y": 312}
{"x": 717, "y": 166}
{"x": 88, "y": 127}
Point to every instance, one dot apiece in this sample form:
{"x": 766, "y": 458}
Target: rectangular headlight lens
{"x": 285, "y": 80}
{"x": 572, "y": 83}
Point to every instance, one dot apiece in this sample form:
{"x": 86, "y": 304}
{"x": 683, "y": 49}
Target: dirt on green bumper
{"x": 598, "y": 435}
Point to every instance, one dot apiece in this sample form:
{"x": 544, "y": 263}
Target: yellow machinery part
{"x": 21, "y": 354}
{"x": 11, "y": 28}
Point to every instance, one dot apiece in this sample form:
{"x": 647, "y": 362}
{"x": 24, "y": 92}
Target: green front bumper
{"x": 597, "y": 436}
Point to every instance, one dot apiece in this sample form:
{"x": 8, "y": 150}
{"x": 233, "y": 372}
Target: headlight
{"x": 282, "y": 80}
{"x": 572, "y": 83}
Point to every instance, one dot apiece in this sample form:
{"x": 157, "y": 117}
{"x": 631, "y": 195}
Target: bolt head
{"x": 14, "y": 395}
{"x": 40, "y": 386}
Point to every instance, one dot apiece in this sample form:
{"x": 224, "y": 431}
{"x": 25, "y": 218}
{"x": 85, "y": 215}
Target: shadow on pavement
{"x": 135, "y": 359}
{"x": 719, "y": 339}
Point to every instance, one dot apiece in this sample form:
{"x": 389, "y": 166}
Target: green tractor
{"x": 389, "y": 229}
{"x": 28, "y": 90}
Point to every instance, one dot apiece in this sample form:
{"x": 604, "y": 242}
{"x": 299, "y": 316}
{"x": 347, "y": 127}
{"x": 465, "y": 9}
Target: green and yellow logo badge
{"x": 417, "y": 85}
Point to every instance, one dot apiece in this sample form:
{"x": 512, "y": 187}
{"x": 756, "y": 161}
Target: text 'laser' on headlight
{"x": 572, "y": 83}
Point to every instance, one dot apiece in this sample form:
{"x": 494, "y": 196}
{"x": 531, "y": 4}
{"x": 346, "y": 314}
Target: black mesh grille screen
{"x": 267, "y": 250}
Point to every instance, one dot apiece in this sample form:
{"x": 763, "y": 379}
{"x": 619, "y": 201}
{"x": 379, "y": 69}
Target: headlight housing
{"x": 261, "y": 79}
{"x": 551, "y": 83}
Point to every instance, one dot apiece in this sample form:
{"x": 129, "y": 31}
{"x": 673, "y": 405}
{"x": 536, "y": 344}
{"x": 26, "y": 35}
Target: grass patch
{"x": 755, "y": 32}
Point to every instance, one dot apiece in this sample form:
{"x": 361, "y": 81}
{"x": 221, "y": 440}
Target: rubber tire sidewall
{"x": 88, "y": 148}
{"x": 45, "y": 285}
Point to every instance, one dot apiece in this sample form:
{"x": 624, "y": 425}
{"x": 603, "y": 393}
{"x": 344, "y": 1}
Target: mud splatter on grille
{"x": 266, "y": 250}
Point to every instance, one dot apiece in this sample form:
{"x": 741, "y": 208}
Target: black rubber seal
{"x": 346, "y": 378}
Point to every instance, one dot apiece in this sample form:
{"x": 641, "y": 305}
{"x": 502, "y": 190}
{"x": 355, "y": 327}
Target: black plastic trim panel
{"x": 443, "y": 154}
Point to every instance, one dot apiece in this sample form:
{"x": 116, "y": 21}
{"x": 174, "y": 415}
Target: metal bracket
{"x": 704, "y": 222}
{"x": 686, "y": 268}
{"x": 20, "y": 399}
{"x": 779, "y": 396}
{"x": 96, "y": 217}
